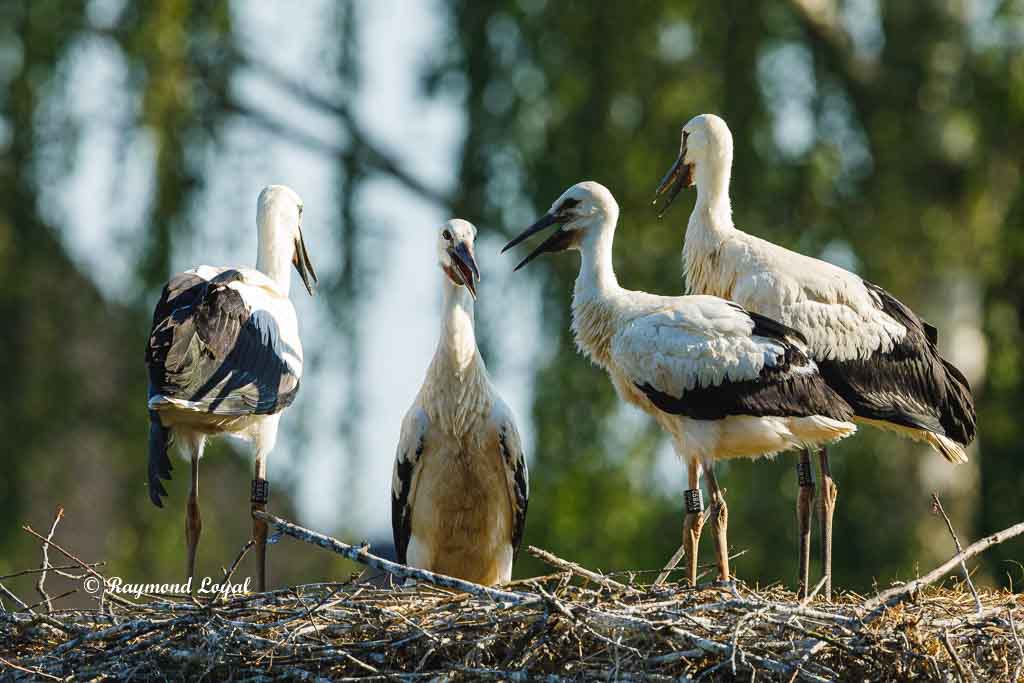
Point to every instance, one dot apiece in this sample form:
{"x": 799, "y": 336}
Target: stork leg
{"x": 719, "y": 524}
{"x": 829, "y": 493}
{"x": 804, "y": 500}
{"x": 193, "y": 521}
{"x": 693, "y": 524}
{"x": 260, "y": 495}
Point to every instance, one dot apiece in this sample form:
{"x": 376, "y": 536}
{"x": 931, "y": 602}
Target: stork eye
{"x": 447, "y": 235}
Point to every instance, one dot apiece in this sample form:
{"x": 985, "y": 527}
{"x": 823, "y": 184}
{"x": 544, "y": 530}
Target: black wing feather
{"x": 910, "y": 385}
{"x": 521, "y": 490}
{"x": 790, "y": 388}
{"x": 172, "y": 312}
{"x": 401, "y": 512}
{"x": 159, "y": 464}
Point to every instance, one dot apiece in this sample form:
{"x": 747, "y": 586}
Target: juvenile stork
{"x": 224, "y": 357}
{"x": 724, "y": 383}
{"x": 460, "y": 484}
{"x": 872, "y": 349}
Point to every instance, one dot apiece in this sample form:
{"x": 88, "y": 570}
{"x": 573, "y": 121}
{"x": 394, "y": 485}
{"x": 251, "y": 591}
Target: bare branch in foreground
{"x": 364, "y": 556}
{"x": 566, "y": 565}
{"x": 46, "y": 560}
{"x": 895, "y": 595}
{"x": 937, "y": 506}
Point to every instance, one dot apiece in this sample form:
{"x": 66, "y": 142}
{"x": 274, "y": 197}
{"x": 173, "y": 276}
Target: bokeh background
{"x": 887, "y": 137}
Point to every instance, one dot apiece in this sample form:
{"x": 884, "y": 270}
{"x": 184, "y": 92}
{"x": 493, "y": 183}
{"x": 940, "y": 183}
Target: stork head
{"x": 279, "y": 216}
{"x": 705, "y": 149}
{"x": 583, "y": 212}
{"x": 455, "y": 253}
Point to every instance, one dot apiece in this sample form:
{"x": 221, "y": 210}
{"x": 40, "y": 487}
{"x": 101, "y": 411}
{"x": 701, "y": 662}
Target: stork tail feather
{"x": 159, "y": 462}
{"x": 958, "y": 416}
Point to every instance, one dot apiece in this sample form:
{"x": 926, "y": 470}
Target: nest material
{"x": 574, "y": 631}
{"x": 571, "y": 625}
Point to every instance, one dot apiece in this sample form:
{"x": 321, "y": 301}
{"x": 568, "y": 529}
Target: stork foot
{"x": 719, "y": 524}
{"x": 720, "y": 527}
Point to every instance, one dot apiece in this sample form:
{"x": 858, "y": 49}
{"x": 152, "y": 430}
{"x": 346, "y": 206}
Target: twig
{"x": 670, "y": 565}
{"x": 895, "y": 595}
{"x": 363, "y": 556}
{"x": 88, "y": 568}
{"x": 55, "y": 568}
{"x": 1020, "y": 647}
{"x": 231, "y": 571}
{"x": 937, "y": 507}
{"x": 46, "y": 560}
{"x": 722, "y": 649}
{"x": 12, "y": 665}
{"x": 810, "y": 596}
{"x": 22, "y": 604}
{"x": 557, "y": 562}
{"x": 961, "y": 674}
{"x": 47, "y": 600}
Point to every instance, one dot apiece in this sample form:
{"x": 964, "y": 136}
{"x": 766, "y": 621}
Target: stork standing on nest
{"x": 724, "y": 383}
{"x": 224, "y": 357}
{"x": 460, "y": 485}
{"x": 872, "y": 349}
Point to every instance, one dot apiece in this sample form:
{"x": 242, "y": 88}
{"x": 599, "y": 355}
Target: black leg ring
{"x": 803, "y": 474}
{"x": 694, "y": 500}
{"x": 260, "y": 491}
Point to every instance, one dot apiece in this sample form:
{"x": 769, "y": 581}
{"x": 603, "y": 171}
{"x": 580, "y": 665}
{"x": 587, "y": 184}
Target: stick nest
{"x": 573, "y": 625}
{"x": 574, "y": 629}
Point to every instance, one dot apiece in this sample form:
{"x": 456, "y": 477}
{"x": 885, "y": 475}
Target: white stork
{"x": 724, "y": 383}
{"x": 224, "y": 357}
{"x": 872, "y": 349}
{"x": 460, "y": 485}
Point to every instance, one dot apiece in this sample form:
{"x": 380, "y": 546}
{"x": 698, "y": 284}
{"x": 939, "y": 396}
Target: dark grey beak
{"x": 465, "y": 263}
{"x": 302, "y": 264}
{"x": 678, "y": 177}
{"x": 560, "y": 240}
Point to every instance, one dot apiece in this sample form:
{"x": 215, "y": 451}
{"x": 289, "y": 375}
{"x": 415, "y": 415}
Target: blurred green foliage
{"x": 888, "y": 135}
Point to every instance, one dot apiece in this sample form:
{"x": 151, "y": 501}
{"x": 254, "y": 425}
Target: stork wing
{"x": 838, "y": 312}
{"x": 516, "y": 473}
{"x": 910, "y": 384}
{"x": 707, "y": 358}
{"x": 407, "y": 461}
{"x": 209, "y": 352}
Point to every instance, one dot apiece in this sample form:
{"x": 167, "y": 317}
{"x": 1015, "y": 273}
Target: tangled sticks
{"x": 575, "y": 624}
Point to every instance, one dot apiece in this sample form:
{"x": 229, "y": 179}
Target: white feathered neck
{"x": 275, "y": 247}
{"x": 456, "y": 392}
{"x": 710, "y": 225}
{"x": 597, "y": 290}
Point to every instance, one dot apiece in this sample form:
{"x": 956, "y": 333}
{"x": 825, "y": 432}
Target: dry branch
{"x": 40, "y": 588}
{"x": 565, "y": 565}
{"x": 937, "y": 504}
{"x": 364, "y": 556}
{"x": 895, "y": 595}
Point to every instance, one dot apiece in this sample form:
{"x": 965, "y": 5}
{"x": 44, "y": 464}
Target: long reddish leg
{"x": 804, "y": 501}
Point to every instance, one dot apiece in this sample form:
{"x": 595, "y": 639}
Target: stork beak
{"x": 678, "y": 177}
{"x": 560, "y": 240}
{"x": 465, "y": 263}
{"x": 302, "y": 264}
